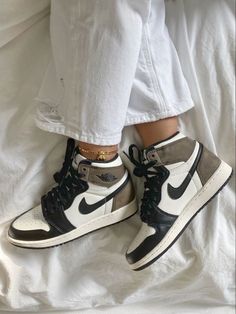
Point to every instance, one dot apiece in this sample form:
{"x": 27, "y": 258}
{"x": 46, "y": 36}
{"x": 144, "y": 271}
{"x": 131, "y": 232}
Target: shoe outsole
{"x": 184, "y": 228}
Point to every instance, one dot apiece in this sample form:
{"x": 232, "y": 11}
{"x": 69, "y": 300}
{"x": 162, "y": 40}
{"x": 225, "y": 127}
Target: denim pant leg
{"x": 113, "y": 64}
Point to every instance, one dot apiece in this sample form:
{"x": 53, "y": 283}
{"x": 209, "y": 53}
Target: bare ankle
{"x": 152, "y": 132}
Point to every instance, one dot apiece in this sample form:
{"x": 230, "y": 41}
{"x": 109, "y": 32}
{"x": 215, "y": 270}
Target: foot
{"x": 89, "y": 196}
{"x": 182, "y": 176}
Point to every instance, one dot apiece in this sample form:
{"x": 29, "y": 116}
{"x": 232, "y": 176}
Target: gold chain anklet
{"x": 100, "y": 155}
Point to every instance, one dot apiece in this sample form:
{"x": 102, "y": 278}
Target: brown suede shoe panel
{"x": 177, "y": 151}
{"x": 207, "y": 165}
{"x": 124, "y": 197}
{"x": 102, "y": 176}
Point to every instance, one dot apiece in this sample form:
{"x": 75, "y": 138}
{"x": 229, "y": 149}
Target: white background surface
{"x": 91, "y": 274}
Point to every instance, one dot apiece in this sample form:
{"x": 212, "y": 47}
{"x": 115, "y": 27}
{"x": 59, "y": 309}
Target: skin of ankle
{"x": 92, "y": 151}
{"x": 152, "y": 132}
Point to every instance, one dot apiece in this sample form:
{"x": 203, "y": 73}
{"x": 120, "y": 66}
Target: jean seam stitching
{"x": 149, "y": 61}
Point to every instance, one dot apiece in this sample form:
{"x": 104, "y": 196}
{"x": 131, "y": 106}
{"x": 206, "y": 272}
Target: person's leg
{"x": 97, "y": 152}
{"x": 90, "y": 194}
{"x": 151, "y": 132}
{"x": 95, "y": 53}
{"x": 181, "y": 175}
{"x": 159, "y": 89}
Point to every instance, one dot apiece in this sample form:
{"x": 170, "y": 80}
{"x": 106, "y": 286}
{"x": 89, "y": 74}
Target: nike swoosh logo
{"x": 85, "y": 208}
{"x": 177, "y": 192}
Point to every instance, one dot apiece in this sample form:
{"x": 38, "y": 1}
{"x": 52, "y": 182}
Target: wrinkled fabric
{"x": 113, "y": 64}
{"x": 91, "y": 275}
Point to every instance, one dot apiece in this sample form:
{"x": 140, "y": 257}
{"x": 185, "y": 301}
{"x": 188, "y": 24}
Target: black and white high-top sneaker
{"x": 182, "y": 176}
{"x": 90, "y": 195}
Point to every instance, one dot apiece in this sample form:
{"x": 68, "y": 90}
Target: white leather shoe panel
{"x": 144, "y": 232}
{"x": 92, "y": 195}
{"x": 31, "y": 220}
{"x": 76, "y": 218}
{"x": 197, "y": 181}
{"x": 175, "y": 207}
{"x": 114, "y": 163}
{"x": 176, "y": 177}
{"x": 108, "y": 206}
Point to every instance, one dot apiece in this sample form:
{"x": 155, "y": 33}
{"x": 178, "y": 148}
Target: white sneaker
{"x": 89, "y": 196}
{"x": 182, "y": 176}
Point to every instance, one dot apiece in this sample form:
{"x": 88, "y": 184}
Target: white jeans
{"x": 113, "y": 64}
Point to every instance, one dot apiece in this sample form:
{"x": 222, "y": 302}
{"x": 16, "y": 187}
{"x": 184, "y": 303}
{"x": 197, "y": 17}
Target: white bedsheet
{"x": 90, "y": 274}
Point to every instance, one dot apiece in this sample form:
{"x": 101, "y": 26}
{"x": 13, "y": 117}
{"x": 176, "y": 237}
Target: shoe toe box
{"x": 31, "y": 226}
{"x": 147, "y": 239}
{"x": 138, "y": 248}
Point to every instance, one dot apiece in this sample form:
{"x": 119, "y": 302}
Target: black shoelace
{"x": 70, "y": 184}
{"x": 152, "y": 186}
{"x": 58, "y": 176}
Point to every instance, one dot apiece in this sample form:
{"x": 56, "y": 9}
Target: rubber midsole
{"x": 97, "y": 223}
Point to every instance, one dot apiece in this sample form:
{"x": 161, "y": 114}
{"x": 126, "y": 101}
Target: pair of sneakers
{"x": 181, "y": 177}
